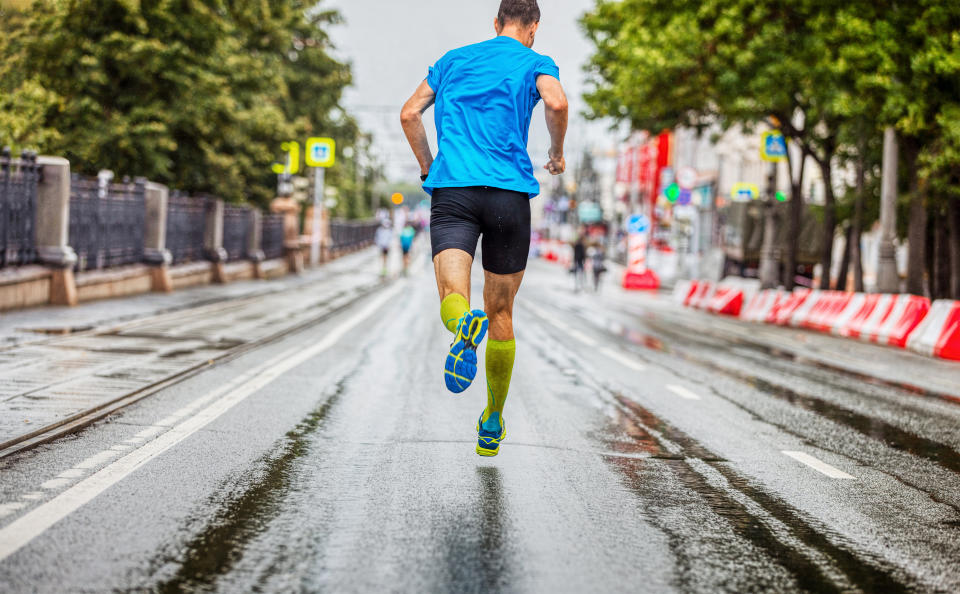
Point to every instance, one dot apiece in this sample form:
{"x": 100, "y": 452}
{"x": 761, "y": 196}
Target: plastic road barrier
{"x": 783, "y": 310}
{"x": 800, "y": 313}
{"x": 683, "y": 290}
{"x": 760, "y": 305}
{"x": 855, "y": 304}
{"x": 875, "y": 305}
{"x": 938, "y": 335}
{"x": 727, "y": 300}
{"x": 906, "y": 314}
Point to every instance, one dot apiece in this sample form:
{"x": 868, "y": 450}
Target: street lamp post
{"x": 768, "y": 251}
{"x": 888, "y": 280}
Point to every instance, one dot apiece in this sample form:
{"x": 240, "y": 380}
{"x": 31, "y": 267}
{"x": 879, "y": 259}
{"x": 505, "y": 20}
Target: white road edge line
{"x": 818, "y": 465}
{"x": 623, "y": 359}
{"x": 682, "y": 392}
{"x": 24, "y": 529}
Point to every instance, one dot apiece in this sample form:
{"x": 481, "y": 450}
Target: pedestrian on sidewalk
{"x": 481, "y": 183}
{"x": 578, "y": 268}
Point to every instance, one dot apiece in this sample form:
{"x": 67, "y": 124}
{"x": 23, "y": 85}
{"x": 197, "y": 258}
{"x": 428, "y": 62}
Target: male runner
{"x": 482, "y": 182}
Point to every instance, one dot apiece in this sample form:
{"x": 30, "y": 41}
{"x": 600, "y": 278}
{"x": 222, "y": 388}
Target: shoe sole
{"x": 460, "y": 368}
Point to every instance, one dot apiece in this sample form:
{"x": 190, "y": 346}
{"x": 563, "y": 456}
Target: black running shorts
{"x": 459, "y": 216}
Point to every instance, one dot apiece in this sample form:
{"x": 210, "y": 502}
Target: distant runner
{"x": 407, "y": 236}
{"x": 382, "y": 238}
{"x": 482, "y": 182}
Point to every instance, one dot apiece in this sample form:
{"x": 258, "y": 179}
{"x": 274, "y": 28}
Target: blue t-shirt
{"x": 485, "y": 95}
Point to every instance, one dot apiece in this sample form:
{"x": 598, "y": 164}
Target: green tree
{"x": 197, "y": 94}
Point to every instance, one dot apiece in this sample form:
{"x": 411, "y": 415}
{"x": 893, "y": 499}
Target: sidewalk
{"x": 104, "y": 355}
{"x": 889, "y": 365}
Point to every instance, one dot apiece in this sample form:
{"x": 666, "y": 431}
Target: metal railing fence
{"x": 106, "y": 222}
{"x": 18, "y": 207}
{"x": 186, "y": 223}
{"x": 236, "y": 231}
{"x": 351, "y": 234}
{"x": 272, "y": 235}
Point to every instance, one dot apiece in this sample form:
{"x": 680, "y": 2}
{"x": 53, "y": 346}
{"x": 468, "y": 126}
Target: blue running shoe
{"x": 488, "y": 442}
{"x": 461, "y": 365}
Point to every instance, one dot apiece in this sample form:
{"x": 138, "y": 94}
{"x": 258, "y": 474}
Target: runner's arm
{"x": 555, "y": 102}
{"x": 411, "y": 118}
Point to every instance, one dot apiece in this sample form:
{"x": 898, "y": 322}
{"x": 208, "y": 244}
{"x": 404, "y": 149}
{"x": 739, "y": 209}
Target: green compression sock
{"x": 452, "y": 309}
{"x": 499, "y": 363}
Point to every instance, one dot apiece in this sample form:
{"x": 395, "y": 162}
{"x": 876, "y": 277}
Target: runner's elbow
{"x": 409, "y": 115}
{"x": 557, "y": 104}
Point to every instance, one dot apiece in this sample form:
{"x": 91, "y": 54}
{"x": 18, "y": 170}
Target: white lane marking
{"x": 135, "y": 440}
{"x": 24, "y": 529}
{"x": 565, "y": 328}
{"x": 32, "y": 496}
{"x": 55, "y": 483}
{"x": 8, "y": 508}
{"x": 98, "y": 459}
{"x": 623, "y": 359}
{"x": 151, "y": 431}
{"x": 121, "y": 447}
{"x": 682, "y": 392}
{"x": 818, "y": 465}
{"x": 72, "y": 473}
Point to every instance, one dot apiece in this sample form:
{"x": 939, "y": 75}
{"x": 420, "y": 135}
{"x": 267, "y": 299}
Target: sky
{"x": 391, "y": 43}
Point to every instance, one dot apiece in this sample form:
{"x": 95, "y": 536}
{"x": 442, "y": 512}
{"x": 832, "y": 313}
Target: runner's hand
{"x": 556, "y": 165}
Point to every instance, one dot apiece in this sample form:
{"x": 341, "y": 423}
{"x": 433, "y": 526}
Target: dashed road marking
{"x": 98, "y": 459}
{"x": 682, "y": 392}
{"x": 24, "y": 529}
{"x": 8, "y": 508}
{"x": 817, "y": 464}
{"x": 72, "y": 473}
{"x": 55, "y": 483}
{"x": 32, "y": 496}
{"x": 623, "y": 359}
{"x": 567, "y": 329}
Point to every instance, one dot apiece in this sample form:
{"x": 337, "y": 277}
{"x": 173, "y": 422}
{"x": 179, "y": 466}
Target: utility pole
{"x": 888, "y": 280}
{"x": 769, "y": 272}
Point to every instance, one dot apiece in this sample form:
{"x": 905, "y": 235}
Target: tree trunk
{"x": 856, "y": 228}
{"x": 940, "y": 272}
{"x": 794, "y": 221}
{"x": 953, "y": 223}
{"x": 829, "y": 221}
{"x": 845, "y": 260}
{"x": 917, "y": 226}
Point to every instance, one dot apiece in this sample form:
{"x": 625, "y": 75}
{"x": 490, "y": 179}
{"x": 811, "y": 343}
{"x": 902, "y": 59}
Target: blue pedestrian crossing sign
{"x": 638, "y": 223}
{"x": 773, "y": 147}
{"x": 321, "y": 152}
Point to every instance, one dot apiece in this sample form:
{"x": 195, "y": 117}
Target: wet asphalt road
{"x": 640, "y": 456}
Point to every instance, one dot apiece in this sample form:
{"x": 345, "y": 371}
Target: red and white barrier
{"x": 683, "y": 290}
{"x": 875, "y": 308}
{"x": 760, "y": 305}
{"x": 938, "y": 335}
{"x": 893, "y": 320}
{"x": 784, "y": 309}
{"x": 905, "y": 315}
{"x": 703, "y": 295}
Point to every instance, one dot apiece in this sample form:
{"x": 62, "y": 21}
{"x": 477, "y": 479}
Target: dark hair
{"x": 526, "y": 12}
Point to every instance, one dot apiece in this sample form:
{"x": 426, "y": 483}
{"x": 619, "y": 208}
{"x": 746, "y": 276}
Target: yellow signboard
{"x": 292, "y": 165}
{"x": 321, "y": 152}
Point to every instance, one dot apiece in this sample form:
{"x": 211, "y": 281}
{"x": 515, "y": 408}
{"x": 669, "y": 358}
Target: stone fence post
{"x": 213, "y": 239}
{"x": 53, "y": 229}
{"x": 155, "y": 237}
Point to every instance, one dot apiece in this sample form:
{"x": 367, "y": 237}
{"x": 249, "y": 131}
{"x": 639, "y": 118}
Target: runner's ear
{"x": 496, "y": 25}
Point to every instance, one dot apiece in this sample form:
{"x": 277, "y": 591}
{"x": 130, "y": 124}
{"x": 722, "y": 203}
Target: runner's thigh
{"x": 454, "y": 220}
{"x": 506, "y": 231}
